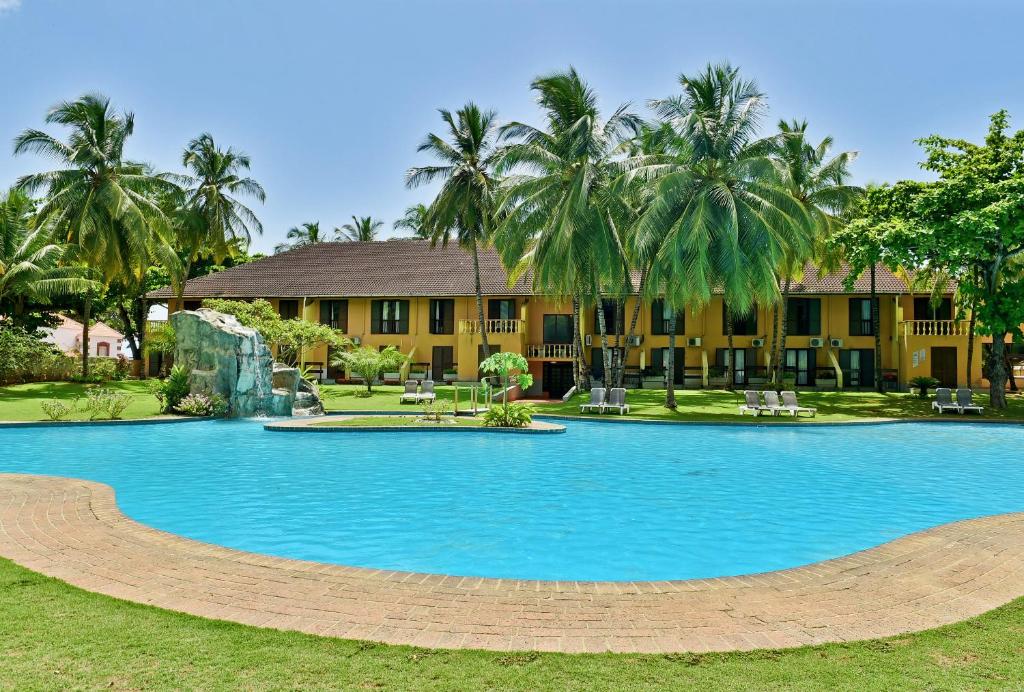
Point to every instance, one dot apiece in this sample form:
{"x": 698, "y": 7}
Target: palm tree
{"x": 818, "y": 181}
{"x": 415, "y": 220}
{"x": 464, "y": 207}
{"x": 307, "y": 233}
{"x": 362, "y": 229}
{"x": 30, "y": 263}
{"x": 559, "y": 220}
{"x": 217, "y": 221}
{"x": 97, "y": 202}
{"x": 724, "y": 219}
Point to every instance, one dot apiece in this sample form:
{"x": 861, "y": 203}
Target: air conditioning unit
{"x": 694, "y": 341}
{"x": 817, "y": 342}
{"x": 588, "y": 339}
{"x": 636, "y": 340}
{"x": 757, "y": 343}
{"x": 835, "y": 343}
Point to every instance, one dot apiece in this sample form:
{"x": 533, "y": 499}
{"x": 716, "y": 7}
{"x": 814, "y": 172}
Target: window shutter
{"x": 658, "y": 317}
{"x": 342, "y": 315}
{"x": 814, "y": 318}
{"x": 325, "y": 311}
{"x": 376, "y": 308}
{"x": 855, "y": 309}
{"x": 657, "y": 358}
{"x": 449, "y": 316}
{"x": 403, "y": 316}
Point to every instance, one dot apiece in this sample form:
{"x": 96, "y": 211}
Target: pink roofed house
{"x": 104, "y": 341}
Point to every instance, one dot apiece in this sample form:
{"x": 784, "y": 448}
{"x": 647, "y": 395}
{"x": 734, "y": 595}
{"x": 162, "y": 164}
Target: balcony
{"x": 549, "y": 351}
{"x": 493, "y": 326}
{"x": 935, "y": 328}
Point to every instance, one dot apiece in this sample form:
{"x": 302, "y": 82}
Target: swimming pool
{"x": 604, "y": 501}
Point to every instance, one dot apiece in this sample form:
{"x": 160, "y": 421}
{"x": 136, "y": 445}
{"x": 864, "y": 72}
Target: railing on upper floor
{"x": 935, "y": 328}
{"x": 550, "y": 351}
{"x": 493, "y": 326}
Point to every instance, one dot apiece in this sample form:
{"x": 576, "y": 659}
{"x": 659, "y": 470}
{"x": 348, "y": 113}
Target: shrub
{"x": 435, "y": 409}
{"x": 100, "y": 402}
{"x": 56, "y": 410}
{"x": 369, "y": 363}
{"x": 122, "y": 368}
{"x": 202, "y": 405}
{"x": 25, "y": 357}
{"x": 510, "y": 415}
{"x": 170, "y": 391}
{"x": 923, "y": 384}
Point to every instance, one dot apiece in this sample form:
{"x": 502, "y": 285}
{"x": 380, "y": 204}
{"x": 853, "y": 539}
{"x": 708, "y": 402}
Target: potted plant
{"x": 417, "y": 373}
{"x": 450, "y": 374}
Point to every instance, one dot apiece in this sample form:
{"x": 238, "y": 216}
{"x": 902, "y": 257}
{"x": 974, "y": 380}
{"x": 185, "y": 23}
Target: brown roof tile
{"x": 408, "y": 267}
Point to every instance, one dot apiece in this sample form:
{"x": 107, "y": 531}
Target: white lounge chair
{"x": 427, "y": 391}
{"x": 965, "y": 401}
{"x": 752, "y": 403}
{"x": 944, "y": 401}
{"x": 789, "y": 403}
{"x": 597, "y": 397}
{"x": 617, "y": 400}
{"x": 410, "y": 393}
{"x": 772, "y": 403}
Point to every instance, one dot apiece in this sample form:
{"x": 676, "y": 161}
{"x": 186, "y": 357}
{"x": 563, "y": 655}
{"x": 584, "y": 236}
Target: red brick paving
{"x": 72, "y": 530}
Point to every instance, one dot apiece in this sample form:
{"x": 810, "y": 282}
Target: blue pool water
{"x": 603, "y": 501}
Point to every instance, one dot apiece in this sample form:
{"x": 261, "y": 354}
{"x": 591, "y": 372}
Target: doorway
{"x": 558, "y": 379}
{"x": 442, "y": 358}
{"x": 944, "y": 365}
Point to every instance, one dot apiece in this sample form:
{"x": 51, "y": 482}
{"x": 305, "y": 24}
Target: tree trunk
{"x": 577, "y": 345}
{"x": 141, "y": 315}
{"x": 670, "y": 364}
{"x": 129, "y": 331}
{"x": 620, "y": 321}
{"x": 86, "y": 313}
{"x": 181, "y": 284}
{"x": 730, "y": 365}
{"x": 606, "y": 356}
{"x": 997, "y": 371}
{"x": 480, "y": 303}
{"x": 632, "y": 328}
{"x": 876, "y": 327}
{"x": 775, "y": 342}
{"x": 970, "y": 342}
{"x": 780, "y": 356}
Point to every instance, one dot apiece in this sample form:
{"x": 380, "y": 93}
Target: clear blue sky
{"x": 331, "y": 98}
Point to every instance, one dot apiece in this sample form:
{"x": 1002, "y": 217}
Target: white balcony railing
{"x": 549, "y": 351}
{"x": 936, "y": 328}
{"x": 492, "y": 326}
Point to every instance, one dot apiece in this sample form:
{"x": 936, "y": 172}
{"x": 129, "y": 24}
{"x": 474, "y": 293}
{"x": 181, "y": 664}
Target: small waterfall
{"x": 261, "y": 375}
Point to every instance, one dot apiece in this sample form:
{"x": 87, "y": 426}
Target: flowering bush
{"x": 202, "y": 405}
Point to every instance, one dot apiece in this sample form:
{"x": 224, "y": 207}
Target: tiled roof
{"x": 407, "y": 267}
{"x": 97, "y": 329}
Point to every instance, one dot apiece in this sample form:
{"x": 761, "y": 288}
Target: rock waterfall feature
{"x": 229, "y": 359}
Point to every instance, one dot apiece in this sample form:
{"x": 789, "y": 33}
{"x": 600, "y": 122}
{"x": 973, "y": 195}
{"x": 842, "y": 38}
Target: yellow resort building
{"x": 422, "y": 299}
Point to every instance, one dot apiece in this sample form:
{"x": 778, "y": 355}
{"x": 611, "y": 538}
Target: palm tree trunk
{"x": 480, "y": 303}
{"x": 606, "y": 355}
{"x": 970, "y": 341}
{"x": 780, "y": 369}
{"x": 775, "y": 342}
{"x": 577, "y": 345}
{"x": 632, "y": 328}
{"x": 730, "y": 365}
{"x": 620, "y": 321}
{"x": 86, "y": 313}
{"x": 180, "y": 292}
{"x": 997, "y": 371}
{"x": 876, "y": 327}
{"x": 670, "y": 364}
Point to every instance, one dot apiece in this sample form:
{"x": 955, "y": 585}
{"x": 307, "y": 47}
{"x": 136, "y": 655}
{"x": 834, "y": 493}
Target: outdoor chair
{"x": 617, "y": 400}
{"x": 965, "y": 401}
{"x": 410, "y": 393}
{"x": 772, "y": 403}
{"x": 944, "y": 401}
{"x": 427, "y": 391}
{"x": 597, "y": 395}
{"x": 752, "y": 404}
{"x": 789, "y": 403}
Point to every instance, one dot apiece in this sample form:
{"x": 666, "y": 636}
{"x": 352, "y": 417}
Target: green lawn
{"x": 55, "y": 636}
{"x": 401, "y": 422}
{"x": 22, "y": 402}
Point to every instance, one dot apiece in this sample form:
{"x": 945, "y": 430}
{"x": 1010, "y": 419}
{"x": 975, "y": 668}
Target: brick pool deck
{"x": 73, "y": 530}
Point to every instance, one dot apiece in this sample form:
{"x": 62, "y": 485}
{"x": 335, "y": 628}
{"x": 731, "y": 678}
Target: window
{"x": 611, "y": 324}
{"x": 192, "y": 304}
{"x": 501, "y": 309}
{"x": 558, "y": 329}
{"x": 288, "y": 309}
{"x": 442, "y": 316}
{"x": 659, "y": 358}
{"x": 742, "y": 325}
{"x": 746, "y": 358}
{"x": 801, "y": 362}
{"x": 804, "y": 317}
{"x": 861, "y": 323}
{"x": 924, "y": 310}
{"x": 661, "y": 315}
{"x": 389, "y": 317}
{"x": 102, "y": 349}
{"x": 858, "y": 366}
{"x": 334, "y": 313}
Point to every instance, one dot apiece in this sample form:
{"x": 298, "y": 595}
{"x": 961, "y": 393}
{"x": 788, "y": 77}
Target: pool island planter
{"x": 318, "y": 425}
{"x": 919, "y": 581}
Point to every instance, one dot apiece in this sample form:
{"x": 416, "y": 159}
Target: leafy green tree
{"x": 362, "y": 229}
{"x": 464, "y": 207}
{"x": 415, "y": 221}
{"x": 214, "y": 220}
{"x": 307, "y": 233}
{"x": 288, "y": 337}
{"x": 557, "y": 217}
{"x": 369, "y": 363}
{"x": 98, "y": 202}
{"x": 504, "y": 365}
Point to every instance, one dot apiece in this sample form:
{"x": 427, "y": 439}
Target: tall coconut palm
{"x": 362, "y": 229}
{"x": 98, "y": 202}
{"x": 558, "y": 219}
{"x": 819, "y": 181}
{"x": 464, "y": 207}
{"x": 724, "y": 219}
{"x": 30, "y": 263}
{"x": 307, "y": 233}
{"x": 216, "y": 219}
{"x": 414, "y": 220}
